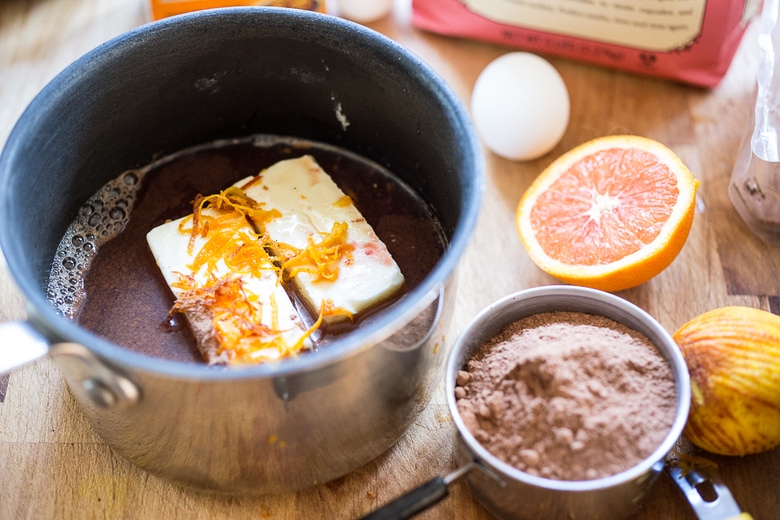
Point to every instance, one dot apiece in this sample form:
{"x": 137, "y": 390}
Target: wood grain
{"x": 53, "y": 465}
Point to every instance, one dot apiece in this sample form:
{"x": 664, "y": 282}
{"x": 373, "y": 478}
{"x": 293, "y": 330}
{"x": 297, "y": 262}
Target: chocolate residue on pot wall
{"x": 568, "y": 396}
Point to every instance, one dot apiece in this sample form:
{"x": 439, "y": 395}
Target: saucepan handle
{"x": 20, "y": 343}
{"x": 419, "y": 499}
{"x": 413, "y": 502}
{"x": 693, "y": 474}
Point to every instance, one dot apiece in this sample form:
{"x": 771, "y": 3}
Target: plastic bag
{"x": 754, "y": 189}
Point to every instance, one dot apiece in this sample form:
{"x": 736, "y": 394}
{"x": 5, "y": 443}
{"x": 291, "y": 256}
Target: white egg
{"x": 520, "y": 106}
{"x": 364, "y": 11}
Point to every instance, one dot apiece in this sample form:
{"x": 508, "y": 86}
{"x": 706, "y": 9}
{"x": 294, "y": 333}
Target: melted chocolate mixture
{"x": 127, "y": 299}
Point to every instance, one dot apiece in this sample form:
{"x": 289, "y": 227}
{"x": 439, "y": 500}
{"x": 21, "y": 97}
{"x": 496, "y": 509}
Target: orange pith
{"x": 610, "y": 214}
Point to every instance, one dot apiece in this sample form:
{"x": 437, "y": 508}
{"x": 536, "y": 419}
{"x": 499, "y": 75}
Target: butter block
{"x": 239, "y": 312}
{"x": 311, "y": 204}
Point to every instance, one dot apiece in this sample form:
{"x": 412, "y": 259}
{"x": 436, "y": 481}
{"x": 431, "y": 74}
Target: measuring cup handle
{"x": 415, "y": 501}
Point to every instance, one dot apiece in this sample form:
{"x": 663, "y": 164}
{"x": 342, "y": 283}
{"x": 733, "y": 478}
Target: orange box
{"x": 165, "y": 8}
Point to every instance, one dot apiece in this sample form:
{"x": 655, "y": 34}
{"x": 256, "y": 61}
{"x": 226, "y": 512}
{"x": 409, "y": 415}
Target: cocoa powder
{"x": 568, "y": 396}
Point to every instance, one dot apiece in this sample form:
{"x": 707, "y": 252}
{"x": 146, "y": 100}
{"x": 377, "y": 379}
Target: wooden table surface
{"x": 53, "y": 465}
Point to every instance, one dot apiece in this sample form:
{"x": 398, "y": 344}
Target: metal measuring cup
{"x": 510, "y": 493}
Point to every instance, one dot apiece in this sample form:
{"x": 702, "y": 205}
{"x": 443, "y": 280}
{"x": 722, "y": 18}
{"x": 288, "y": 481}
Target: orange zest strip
{"x": 328, "y": 309}
{"x": 236, "y": 319}
{"x": 343, "y": 202}
{"x": 231, "y": 203}
{"x": 235, "y": 314}
{"x": 322, "y": 259}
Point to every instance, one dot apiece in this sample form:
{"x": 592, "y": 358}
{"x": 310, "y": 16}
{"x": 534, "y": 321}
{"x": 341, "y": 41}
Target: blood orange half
{"x": 610, "y": 214}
